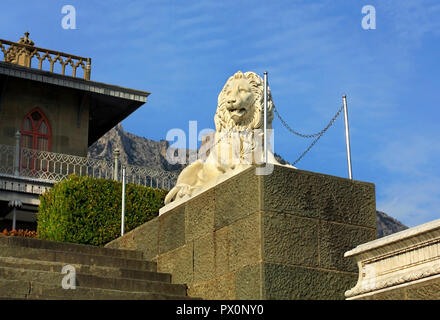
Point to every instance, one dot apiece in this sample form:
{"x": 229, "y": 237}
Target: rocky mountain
{"x": 133, "y": 149}
{"x": 386, "y": 225}
{"x": 143, "y": 152}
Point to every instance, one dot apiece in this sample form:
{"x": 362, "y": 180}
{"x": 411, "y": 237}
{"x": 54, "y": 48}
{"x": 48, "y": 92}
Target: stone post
{"x": 88, "y": 69}
{"x": 14, "y": 204}
{"x": 17, "y": 154}
{"x": 116, "y": 154}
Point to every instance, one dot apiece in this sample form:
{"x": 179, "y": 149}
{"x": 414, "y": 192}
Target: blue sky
{"x": 315, "y": 51}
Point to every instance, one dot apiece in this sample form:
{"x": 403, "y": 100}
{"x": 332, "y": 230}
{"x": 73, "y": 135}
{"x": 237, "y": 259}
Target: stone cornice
{"x": 400, "y": 258}
{"x": 415, "y": 232}
{"x": 73, "y": 83}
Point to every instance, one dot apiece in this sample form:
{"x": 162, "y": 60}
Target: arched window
{"x": 35, "y": 131}
{"x": 35, "y": 134}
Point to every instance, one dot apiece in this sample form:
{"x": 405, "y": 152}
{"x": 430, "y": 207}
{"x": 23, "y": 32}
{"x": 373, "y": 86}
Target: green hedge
{"x": 88, "y": 210}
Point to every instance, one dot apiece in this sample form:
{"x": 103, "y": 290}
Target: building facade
{"x": 50, "y": 113}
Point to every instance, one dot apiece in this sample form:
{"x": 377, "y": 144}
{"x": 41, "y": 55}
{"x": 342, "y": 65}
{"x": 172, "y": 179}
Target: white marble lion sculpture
{"x": 238, "y": 138}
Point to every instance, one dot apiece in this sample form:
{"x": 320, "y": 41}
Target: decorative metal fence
{"x": 7, "y": 159}
{"x": 150, "y": 177}
{"x": 54, "y": 167}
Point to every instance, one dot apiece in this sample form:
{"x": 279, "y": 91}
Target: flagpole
{"x": 123, "y": 202}
{"x": 347, "y": 137}
{"x": 265, "y": 117}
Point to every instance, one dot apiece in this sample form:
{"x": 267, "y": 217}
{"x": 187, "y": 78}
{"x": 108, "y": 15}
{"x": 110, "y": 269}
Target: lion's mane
{"x": 222, "y": 118}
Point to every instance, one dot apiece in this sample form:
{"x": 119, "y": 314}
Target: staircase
{"x": 31, "y": 269}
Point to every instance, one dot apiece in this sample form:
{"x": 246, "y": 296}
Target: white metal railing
{"x": 150, "y": 177}
{"x": 7, "y": 154}
{"x": 54, "y": 167}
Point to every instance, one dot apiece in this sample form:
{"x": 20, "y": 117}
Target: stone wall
{"x": 281, "y": 236}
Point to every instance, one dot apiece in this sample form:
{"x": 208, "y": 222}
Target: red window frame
{"x": 35, "y": 134}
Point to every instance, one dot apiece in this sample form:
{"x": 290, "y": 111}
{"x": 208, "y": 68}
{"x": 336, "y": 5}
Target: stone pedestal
{"x": 280, "y": 236}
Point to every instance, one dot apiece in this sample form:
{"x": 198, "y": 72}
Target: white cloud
{"x": 413, "y": 195}
{"x": 412, "y": 202}
{"x": 192, "y": 21}
{"x": 411, "y": 20}
{"x": 410, "y": 155}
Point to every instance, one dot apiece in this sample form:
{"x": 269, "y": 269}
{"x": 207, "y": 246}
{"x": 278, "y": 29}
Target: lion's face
{"x": 239, "y": 99}
{"x": 240, "y": 103}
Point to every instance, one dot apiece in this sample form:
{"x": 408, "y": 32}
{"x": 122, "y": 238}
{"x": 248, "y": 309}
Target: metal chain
{"x": 219, "y": 140}
{"x": 306, "y": 135}
{"x": 319, "y": 135}
{"x": 307, "y": 150}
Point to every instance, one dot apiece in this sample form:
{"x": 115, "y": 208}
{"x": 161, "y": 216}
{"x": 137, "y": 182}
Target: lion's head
{"x": 241, "y": 102}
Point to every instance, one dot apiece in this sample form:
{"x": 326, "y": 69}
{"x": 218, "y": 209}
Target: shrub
{"x": 88, "y": 210}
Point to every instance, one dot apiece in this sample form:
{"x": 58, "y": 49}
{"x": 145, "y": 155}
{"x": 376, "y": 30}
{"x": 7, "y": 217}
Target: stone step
{"x": 69, "y": 247}
{"x": 92, "y": 281}
{"x": 19, "y": 289}
{"x": 76, "y": 258}
{"x": 29, "y": 264}
{"x": 31, "y": 269}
